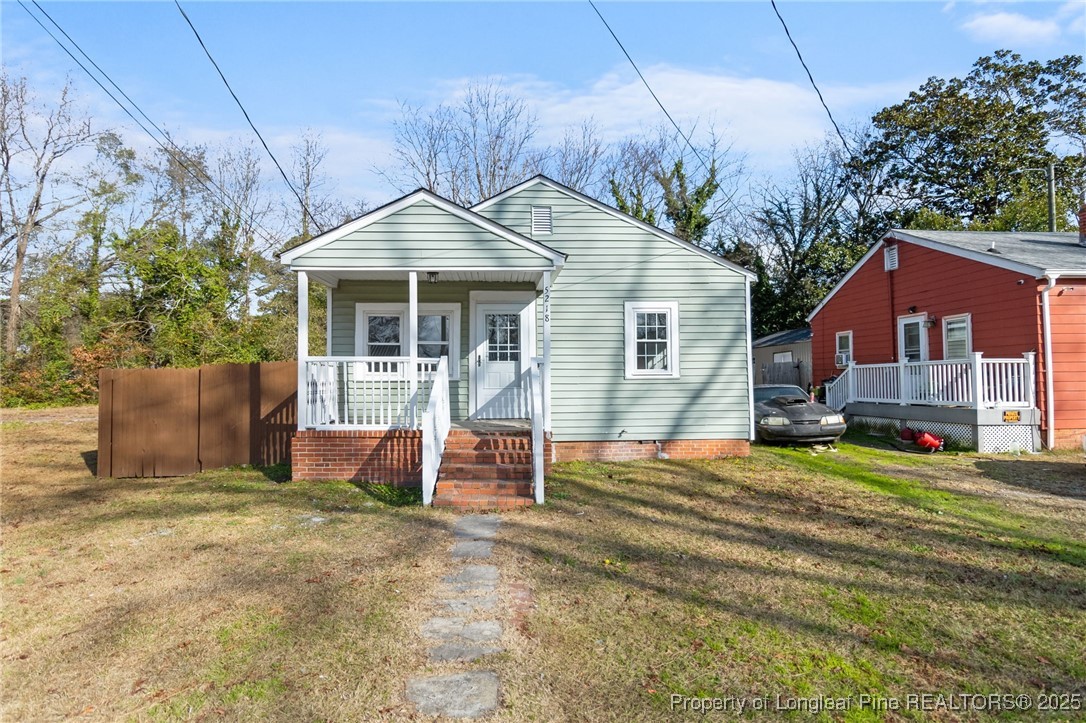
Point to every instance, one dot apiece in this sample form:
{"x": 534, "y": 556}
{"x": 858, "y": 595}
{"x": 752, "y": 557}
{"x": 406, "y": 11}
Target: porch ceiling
{"x": 333, "y": 277}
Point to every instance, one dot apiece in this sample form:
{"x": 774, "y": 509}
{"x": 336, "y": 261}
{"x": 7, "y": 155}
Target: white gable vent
{"x": 889, "y": 258}
{"x": 541, "y": 220}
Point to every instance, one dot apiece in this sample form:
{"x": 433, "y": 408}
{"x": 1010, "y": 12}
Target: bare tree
{"x": 577, "y": 161}
{"x": 33, "y": 138}
{"x": 237, "y": 173}
{"x": 468, "y": 151}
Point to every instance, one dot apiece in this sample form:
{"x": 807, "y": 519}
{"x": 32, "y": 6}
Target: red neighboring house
{"x": 939, "y": 328}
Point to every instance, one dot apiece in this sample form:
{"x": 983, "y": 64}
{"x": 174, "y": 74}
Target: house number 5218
{"x": 546, "y": 303}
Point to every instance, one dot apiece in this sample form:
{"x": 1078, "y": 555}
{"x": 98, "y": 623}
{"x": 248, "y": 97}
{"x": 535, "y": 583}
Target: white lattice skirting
{"x": 983, "y": 438}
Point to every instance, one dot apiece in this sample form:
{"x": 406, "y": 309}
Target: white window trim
{"x": 837, "y": 347}
{"x": 925, "y": 348}
{"x": 631, "y": 309}
{"x": 452, "y": 310}
{"x": 968, "y": 333}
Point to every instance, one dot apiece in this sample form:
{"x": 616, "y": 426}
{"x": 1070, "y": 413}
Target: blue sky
{"x": 342, "y": 68}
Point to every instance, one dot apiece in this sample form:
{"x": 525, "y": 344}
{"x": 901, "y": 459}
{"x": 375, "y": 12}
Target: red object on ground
{"x": 907, "y": 434}
{"x": 930, "y": 441}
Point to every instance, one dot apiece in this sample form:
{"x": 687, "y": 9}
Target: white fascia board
{"x": 556, "y": 257}
{"x": 599, "y": 206}
{"x": 844, "y": 279}
{"x": 979, "y": 256}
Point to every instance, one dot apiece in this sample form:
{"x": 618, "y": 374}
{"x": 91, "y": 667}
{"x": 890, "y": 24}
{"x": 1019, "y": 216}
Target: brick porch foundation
{"x": 626, "y": 451}
{"x": 390, "y": 456}
{"x": 395, "y": 457}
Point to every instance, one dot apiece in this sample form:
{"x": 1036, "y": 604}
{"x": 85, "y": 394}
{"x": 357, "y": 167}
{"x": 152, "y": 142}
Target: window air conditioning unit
{"x": 842, "y": 360}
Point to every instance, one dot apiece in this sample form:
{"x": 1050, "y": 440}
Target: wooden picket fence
{"x": 169, "y": 422}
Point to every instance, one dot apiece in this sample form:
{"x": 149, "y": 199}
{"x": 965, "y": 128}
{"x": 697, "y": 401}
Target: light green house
{"x": 541, "y": 309}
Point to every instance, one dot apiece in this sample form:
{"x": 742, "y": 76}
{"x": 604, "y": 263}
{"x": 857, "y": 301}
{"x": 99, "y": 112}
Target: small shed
{"x": 783, "y": 357}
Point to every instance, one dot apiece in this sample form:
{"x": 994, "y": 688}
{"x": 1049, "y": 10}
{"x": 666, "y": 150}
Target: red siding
{"x": 1006, "y": 320}
{"x": 1067, "y": 304}
{"x": 1005, "y": 314}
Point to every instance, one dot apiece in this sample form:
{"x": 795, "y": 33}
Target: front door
{"x": 502, "y": 349}
{"x": 912, "y": 338}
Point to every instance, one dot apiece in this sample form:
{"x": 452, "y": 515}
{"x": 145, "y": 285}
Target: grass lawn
{"x": 237, "y": 595}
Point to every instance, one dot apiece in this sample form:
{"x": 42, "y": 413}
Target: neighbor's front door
{"x": 501, "y": 360}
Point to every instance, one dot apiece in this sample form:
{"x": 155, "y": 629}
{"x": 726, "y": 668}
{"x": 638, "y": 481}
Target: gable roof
{"x": 600, "y": 206}
{"x": 790, "y": 336}
{"x": 1036, "y": 254}
{"x": 1027, "y": 252}
{"x": 557, "y": 258}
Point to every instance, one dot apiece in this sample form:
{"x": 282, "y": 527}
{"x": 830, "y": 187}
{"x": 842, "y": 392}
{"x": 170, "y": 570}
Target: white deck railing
{"x": 366, "y": 392}
{"x": 976, "y": 382}
{"x": 436, "y": 421}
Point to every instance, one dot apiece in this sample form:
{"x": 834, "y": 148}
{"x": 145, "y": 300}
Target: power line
{"x": 177, "y": 154}
{"x": 648, "y": 87}
{"x": 811, "y": 77}
{"x": 305, "y": 209}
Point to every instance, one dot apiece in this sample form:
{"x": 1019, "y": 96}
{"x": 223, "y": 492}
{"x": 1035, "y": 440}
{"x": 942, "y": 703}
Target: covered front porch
{"x": 436, "y": 315}
{"x": 986, "y": 404}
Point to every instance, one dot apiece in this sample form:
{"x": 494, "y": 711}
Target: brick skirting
{"x": 390, "y": 456}
{"x": 395, "y": 456}
{"x": 625, "y": 451}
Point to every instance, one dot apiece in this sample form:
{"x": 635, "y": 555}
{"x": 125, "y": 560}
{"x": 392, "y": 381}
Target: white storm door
{"x": 501, "y": 357}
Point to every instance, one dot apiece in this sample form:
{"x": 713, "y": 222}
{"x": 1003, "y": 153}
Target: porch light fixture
{"x": 912, "y": 309}
{"x": 931, "y": 321}
{"x": 431, "y": 276}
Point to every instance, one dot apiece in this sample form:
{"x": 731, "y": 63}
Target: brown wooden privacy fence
{"x": 167, "y": 422}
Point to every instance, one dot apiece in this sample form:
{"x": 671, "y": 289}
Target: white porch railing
{"x": 436, "y": 421}
{"x": 366, "y": 392}
{"x": 975, "y": 382}
{"x": 536, "y": 389}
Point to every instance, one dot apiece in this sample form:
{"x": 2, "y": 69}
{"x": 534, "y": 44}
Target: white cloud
{"x": 1013, "y": 29}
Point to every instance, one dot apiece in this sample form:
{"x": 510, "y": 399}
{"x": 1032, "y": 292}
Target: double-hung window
{"x": 957, "y": 337}
{"x": 381, "y": 331}
{"x": 652, "y": 339}
{"x": 843, "y": 352}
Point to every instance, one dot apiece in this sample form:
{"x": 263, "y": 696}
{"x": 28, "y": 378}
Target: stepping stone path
{"x": 464, "y": 633}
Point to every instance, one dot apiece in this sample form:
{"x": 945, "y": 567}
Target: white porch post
{"x": 413, "y": 344}
{"x": 303, "y": 347}
{"x": 902, "y": 381}
{"x": 546, "y": 351}
{"x": 978, "y": 380}
{"x": 1031, "y": 370}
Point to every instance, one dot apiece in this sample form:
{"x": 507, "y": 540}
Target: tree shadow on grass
{"x": 1056, "y": 477}
{"x": 391, "y": 495}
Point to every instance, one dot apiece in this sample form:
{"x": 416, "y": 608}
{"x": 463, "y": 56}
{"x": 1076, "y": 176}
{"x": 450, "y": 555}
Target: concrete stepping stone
{"x": 457, "y": 629}
{"x": 473, "y": 548}
{"x": 471, "y": 588}
{"x": 463, "y": 695}
{"x": 448, "y": 652}
{"x": 474, "y": 574}
{"x": 468, "y": 605}
{"x": 477, "y": 527}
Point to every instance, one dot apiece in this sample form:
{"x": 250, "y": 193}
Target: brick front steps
{"x": 485, "y": 470}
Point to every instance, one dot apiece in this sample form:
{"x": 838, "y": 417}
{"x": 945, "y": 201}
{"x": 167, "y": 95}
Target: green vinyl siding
{"x": 421, "y": 236}
{"x": 611, "y": 261}
{"x": 350, "y": 293}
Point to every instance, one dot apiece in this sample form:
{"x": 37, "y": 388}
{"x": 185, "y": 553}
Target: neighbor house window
{"x": 652, "y": 339}
{"x": 957, "y": 337}
{"x": 381, "y": 331}
{"x": 843, "y": 355}
{"x": 780, "y": 357}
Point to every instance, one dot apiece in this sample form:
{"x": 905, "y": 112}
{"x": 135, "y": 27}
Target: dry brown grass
{"x": 217, "y": 596}
{"x": 211, "y": 596}
{"x": 864, "y": 571}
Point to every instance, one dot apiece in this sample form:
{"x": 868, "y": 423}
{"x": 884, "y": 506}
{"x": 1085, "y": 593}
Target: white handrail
{"x": 436, "y": 421}
{"x": 837, "y": 391}
{"x": 536, "y": 384}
